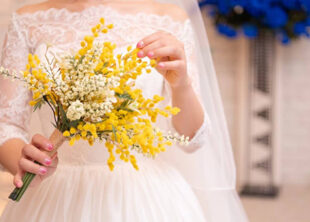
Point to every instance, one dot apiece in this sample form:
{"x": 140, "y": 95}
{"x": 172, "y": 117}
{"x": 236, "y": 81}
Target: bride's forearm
{"x": 191, "y": 117}
{"x": 10, "y": 153}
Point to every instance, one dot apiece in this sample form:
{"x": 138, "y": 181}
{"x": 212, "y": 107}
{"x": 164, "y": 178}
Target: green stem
{"x": 17, "y": 193}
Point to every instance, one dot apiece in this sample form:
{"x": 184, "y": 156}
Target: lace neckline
{"x": 96, "y": 9}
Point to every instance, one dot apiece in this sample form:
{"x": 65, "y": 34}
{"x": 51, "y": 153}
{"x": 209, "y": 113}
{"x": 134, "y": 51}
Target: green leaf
{"x": 114, "y": 132}
{"x": 38, "y": 104}
{"x": 74, "y": 123}
{"x": 124, "y": 104}
{"x": 64, "y": 120}
{"x": 128, "y": 110}
{"x": 106, "y": 131}
{"x": 54, "y": 125}
{"x": 51, "y": 101}
{"x": 124, "y": 96}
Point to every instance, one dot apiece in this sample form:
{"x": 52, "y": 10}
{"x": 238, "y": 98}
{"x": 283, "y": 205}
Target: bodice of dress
{"x": 64, "y": 30}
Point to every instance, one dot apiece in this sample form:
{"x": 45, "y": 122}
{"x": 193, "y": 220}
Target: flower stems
{"x": 18, "y": 192}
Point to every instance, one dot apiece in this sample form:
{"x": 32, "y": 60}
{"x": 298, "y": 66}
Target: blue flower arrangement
{"x": 288, "y": 19}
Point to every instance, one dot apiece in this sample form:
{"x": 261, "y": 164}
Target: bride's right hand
{"x": 35, "y": 152}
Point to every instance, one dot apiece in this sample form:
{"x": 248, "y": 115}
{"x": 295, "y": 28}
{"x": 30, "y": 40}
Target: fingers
{"x": 41, "y": 142}
{"x": 31, "y": 167}
{"x": 18, "y": 181}
{"x": 159, "y": 45}
{"x": 34, "y": 153}
{"x": 54, "y": 161}
{"x": 149, "y": 39}
{"x": 151, "y": 47}
{"x": 169, "y": 51}
{"x": 171, "y": 65}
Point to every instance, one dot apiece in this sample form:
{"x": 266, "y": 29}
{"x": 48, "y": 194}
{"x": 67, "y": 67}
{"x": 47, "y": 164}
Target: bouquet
{"x": 288, "y": 19}
{"x": 91, "y": 93}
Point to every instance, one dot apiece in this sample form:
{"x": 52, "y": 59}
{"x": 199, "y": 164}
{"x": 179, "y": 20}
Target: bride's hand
{"x": 171, "y": 55}
{"x": 34, "y": 152}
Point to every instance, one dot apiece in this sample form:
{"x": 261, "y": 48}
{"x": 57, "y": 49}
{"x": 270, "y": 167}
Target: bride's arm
{"x": 14, "y": 97}
{"x": 16, "y": 155}
{"x": 191, "y": 117}
{"x": 173, "y": 66}
{"x": 10, "y": 153}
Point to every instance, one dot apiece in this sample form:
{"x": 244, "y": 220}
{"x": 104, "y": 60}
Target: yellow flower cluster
{"x": 128, "y": 128}
{"x": 93, "y": 98}
{"x": 38, "y": 81}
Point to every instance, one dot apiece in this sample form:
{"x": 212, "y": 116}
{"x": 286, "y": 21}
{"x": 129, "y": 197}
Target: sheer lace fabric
{"x": 14, "y": 97}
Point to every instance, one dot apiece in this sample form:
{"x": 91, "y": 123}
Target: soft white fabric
{"x": 83, "y": 189}
{"x": 91, "y": 193}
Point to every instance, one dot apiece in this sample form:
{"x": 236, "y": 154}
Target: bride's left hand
{"x": 170, "y": 52}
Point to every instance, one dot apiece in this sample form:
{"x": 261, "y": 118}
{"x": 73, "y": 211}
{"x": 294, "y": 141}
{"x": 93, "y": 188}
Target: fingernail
{"x": 47, "y": 161}
{"x": 43, "y": 170}
{"x": 140, "y": 54}
{"x": 140, "y": 44}
{"x": 50, "y": 147}
{"x": 150, "y": 54}
{"x": 161, "y": 65}
{"x": 19, "y": 184}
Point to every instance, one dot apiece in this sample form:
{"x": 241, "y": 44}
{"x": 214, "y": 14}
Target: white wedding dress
{"x": 83, "y": 188}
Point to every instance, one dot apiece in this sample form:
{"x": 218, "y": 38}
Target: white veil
{"x": 210, "y": 170}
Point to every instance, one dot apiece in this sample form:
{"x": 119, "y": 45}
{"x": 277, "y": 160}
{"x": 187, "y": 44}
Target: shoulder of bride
{"x": 33, "y": 8}
{"x": 173, "y": 11}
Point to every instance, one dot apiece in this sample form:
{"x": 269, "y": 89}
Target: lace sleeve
{"x": 14, "y": 96}
{"x": 187, "y": 37}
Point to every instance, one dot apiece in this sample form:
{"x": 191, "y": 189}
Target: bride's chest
{"x": 67, "y": 35}
{"x": 66, "y": 29}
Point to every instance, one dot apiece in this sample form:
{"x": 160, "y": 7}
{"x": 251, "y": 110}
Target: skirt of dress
{"x": 91, "y": 193}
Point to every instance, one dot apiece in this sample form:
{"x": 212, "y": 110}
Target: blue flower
{"x": 300, "y": 28}
{"x": 226, "y": 30}
{"x": 241, "y": 3}
{"x": 286, "y": 18}
{"x": 291, "y": 4}
{"x": 276, "y": 17}
{"x": 305, "y": 4}
{"x": 223, "y": 7}
{"x": 284, "y": 38}
{"x": 250, "y": 31}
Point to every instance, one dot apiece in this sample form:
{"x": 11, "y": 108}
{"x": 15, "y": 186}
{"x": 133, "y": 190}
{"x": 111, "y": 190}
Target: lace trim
{"x": 200, "y": 136}
{"x": 70, "y": 27}
{"x": 101, "y": 10}
{"x": 96, "y": 10}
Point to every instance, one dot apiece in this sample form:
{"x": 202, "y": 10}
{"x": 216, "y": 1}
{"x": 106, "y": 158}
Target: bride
{"x": 191, "y": 183}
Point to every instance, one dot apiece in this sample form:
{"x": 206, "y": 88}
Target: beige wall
{"x": 295, "y": 118}
{"x": 293, "y": 63}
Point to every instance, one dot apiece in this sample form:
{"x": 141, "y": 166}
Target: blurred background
{"x": 261, "y": 52}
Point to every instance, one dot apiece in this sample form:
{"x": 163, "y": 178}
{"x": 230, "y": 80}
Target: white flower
{"x": 75, "y": 111}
